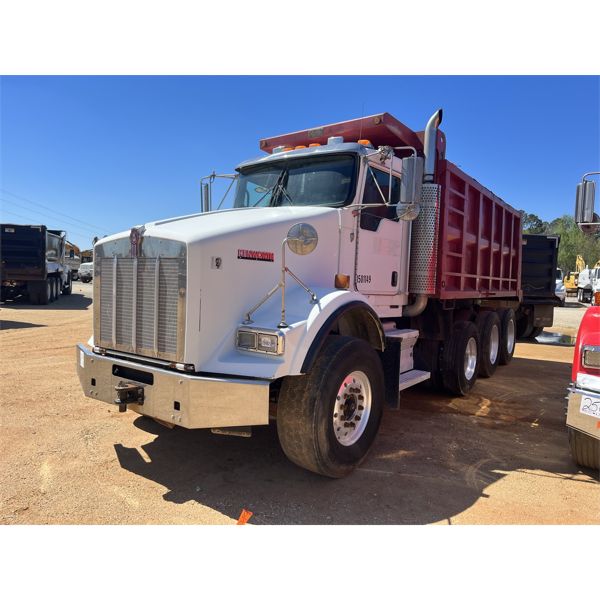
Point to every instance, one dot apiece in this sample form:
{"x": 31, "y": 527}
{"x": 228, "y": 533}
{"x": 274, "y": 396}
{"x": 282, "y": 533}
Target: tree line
{"x": 572, "y": 240}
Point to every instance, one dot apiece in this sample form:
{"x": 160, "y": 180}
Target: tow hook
{"x": 128, "y": 393}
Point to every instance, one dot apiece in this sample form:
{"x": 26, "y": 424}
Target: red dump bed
{"x": 479, "y": 239}
{"x": 479, "y": 236}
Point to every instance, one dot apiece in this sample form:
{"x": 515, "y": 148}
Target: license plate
{"x": 590, "y": 406}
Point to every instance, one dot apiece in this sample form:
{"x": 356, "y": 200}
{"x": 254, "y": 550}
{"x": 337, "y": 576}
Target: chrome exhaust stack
{"x": 430, "y": 146}
{"x": 422, "y": 281}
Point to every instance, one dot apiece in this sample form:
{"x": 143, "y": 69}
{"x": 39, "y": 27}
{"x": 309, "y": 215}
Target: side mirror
{"x": 412, "y": 179}
{"x": 205, "y": 197}
{"x": 410, "y": 188}
{"x": 584, "y": 202}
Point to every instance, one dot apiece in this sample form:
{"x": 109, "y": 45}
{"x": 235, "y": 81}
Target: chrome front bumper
{"x": 178, "y": 398}
{"x": 583, "y": 411}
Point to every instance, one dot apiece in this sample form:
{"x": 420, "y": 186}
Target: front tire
{"x": 327, "y": 419}
{"x": 585, "y": 449}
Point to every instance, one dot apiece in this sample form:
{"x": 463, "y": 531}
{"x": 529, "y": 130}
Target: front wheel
{"x": 327, "y": 419}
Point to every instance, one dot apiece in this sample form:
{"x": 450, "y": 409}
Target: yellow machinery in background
{"x": 571, "y": 277}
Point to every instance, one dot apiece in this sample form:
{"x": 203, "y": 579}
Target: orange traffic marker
{"x": 244, "y": 517}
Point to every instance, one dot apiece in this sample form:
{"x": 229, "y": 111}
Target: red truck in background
{"x": 583, "y": 400}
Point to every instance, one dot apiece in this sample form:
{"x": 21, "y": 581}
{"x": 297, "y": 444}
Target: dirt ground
{"x": 499, "y": 455}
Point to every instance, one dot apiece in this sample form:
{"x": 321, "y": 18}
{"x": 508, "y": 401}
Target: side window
{"x": 370, "y": 217}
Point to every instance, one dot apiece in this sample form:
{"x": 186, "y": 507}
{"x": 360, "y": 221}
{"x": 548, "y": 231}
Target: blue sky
{"x": 97, "y": 155}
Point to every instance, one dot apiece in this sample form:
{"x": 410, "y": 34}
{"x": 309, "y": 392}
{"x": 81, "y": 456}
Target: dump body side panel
{"x": 479, "y": 242}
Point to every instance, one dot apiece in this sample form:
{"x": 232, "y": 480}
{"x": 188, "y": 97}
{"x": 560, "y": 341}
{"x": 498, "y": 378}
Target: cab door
{"x": 382, "y": 239}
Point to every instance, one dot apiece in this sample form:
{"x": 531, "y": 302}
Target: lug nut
{"x": 357, "y": 418}
{"x": 361, "y": 407}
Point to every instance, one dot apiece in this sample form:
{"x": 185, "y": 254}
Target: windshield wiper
{"x": 271, "y": 190}
{"x": 279, "y": 187}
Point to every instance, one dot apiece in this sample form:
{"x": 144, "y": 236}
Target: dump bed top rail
{"x": 381, "y": 130}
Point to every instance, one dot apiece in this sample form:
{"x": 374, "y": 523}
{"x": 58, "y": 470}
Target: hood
{"x": 204, "y": 226}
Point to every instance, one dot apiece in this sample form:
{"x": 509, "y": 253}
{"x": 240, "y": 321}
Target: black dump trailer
{"x": 538, "y": 281}
{"x": 32, "y": 263}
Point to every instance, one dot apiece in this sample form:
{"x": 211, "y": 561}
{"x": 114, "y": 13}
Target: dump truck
{"x": 356, "y": 261}
{"x": 33, "y": 264}
{"x": 583, "y": 399}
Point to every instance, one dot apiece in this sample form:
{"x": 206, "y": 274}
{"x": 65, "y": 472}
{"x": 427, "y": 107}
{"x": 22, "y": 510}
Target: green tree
{"x": 573, "y": 242}
{"x": 532, "y": 223}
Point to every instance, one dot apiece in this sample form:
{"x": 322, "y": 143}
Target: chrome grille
{"x": 141, "y": 308}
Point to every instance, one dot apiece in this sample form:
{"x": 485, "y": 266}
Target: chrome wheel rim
{"x": 470, "y": 358}
{"x": 494, "y": 344}
{"x": 510, "y": 336}
{"x": 352, "y": 408}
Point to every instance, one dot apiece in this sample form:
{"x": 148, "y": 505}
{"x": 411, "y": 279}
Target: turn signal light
{"x": 597, "y": 298}
{"x": 342, "y": 281}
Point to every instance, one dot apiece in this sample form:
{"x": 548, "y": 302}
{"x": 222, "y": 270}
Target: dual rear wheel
{"x": 476, "y": 349}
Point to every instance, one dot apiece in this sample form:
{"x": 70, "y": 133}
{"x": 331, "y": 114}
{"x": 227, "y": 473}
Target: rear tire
{"x": 507, "y": 336}
{"x": 585, "y": 449}
{"x": 313, "y": 409}
{"x": 524, "y": 327}
{"x": 68, "y": 288}
{"x": 55, "y": 290}
{"x": 488, "y": 324}
{"x": 460, "y": 361}
{"x": 45, "y": 293}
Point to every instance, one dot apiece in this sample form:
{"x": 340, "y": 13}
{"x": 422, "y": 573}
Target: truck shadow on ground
{"x": 433, "y": 459}
{"x": 73, "y": 301}
{"x": 17, "y": 325}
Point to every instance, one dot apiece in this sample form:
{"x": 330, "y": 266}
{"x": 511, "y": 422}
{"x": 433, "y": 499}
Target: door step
{"x": 410, "y": 378}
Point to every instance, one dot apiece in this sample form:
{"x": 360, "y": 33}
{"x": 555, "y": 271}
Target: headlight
{"x": 260, "y": 340}
{"x": 591, "y": 357}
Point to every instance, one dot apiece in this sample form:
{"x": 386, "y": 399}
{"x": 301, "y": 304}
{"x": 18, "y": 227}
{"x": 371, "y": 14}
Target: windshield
{"x": 312, "y": 181}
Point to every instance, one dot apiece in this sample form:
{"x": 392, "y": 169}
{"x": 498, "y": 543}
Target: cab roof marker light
{"x": 365, "y": 143}
{"x": 278, "y": 149}
{"x": 299, "y": 147}
{"x": 313, "y": 145}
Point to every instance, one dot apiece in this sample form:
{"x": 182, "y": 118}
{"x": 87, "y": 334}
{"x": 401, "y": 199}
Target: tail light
{"x": 586, "y": 360}
{"x": 590, "y": 357}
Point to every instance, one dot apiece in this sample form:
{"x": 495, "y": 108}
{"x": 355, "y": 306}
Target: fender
{"x": 322, "y": 319}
